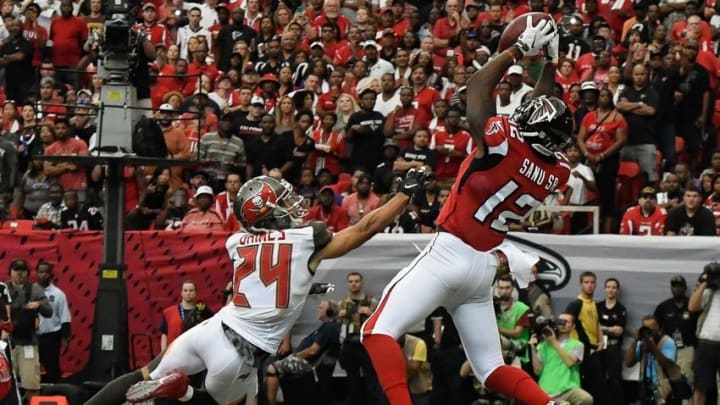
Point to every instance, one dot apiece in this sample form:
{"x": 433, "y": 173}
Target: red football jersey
{"x": 635, "y": 223}
{"x": 504, "y": 185}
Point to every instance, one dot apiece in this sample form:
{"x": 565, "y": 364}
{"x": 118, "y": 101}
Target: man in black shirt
{"x": 692, "y": 99}
{"x": 16, "y": 56}
{"x": 419, "y": 155}
{"x": 248, "y": 125}
{"x": 572, "y": 44}
{"x": 665, "y": 82}
{"x": 230, "y": 34}
{"x": 691, "y": 218}
{"x": 613, "y": 318}
{"x": 268, "y": 151}
{"x": 676, "y": 321}
{"x": 80, "y": 218}
{"x": 639, "y": 104}
{"x": 365, "y": 133}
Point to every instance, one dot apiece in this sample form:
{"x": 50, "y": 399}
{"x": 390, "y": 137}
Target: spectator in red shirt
{"x": 203, "y": 217}
{"x": 36, "y": 34}
{"x": 330, "y": 14}
{"x": 405, "y": 120}
{"x": 330, "y": 145}
{"x": 199, "y": 64}
{"x": 646, "y": 218}
{"x": 68, "y": 35}
{"x": 425, "y": 96}
{"x": 156, "y": 33}
{"x": 451, "y": 145}
{"x": 70, "y": 175}
{"x": 447, "y": 28}
{"x": 327, "y": 211}
{"x": 224, "y": 201}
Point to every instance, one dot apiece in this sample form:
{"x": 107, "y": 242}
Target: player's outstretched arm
{"x": 546, "y": 82}
{"x": 352, "y": 237}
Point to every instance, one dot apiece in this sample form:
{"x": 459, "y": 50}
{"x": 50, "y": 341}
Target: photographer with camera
{"x": 706, "y": 300}
{"x": 657, "y": 354}
{"x": 556, "y": 360}
{"x": 513, "y": 322}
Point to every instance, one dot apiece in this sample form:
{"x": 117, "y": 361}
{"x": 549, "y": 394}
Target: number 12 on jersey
{"x": 524, "y": 202}
{"x": 272, "y": 262}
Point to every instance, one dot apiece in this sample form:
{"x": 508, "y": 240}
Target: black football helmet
{"x": 265, "y": 203}
{"x": 545, "y": 122}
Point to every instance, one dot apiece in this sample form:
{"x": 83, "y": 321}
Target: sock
{"x": 114, "y": 391}
{"x": 515, "y": 383}
{"x": 389, "y": 363}
{"x": 188, "y": 394}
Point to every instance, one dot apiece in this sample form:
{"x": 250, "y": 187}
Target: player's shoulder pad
{"x": 497, "y": 130}
{"x": 321, "y": 234}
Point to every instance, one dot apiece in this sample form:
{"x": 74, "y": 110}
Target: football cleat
{"x": 173, "y": 385}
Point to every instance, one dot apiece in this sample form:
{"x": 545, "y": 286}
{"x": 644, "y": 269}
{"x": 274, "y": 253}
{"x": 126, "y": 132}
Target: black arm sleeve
{"x": 321, "y": 235}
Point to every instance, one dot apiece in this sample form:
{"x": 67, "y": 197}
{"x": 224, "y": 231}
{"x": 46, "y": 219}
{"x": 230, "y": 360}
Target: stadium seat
{"x": 19, "y": 224}
{"x": 49, "y": 400}
{"x": 629, "y": 181}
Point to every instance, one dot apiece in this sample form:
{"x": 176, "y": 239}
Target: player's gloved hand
{"x": 552, "y": 49}
{"x": 535, "y": 37}
{"x": 321, "y": 288}
{"x": 413, "y": 181}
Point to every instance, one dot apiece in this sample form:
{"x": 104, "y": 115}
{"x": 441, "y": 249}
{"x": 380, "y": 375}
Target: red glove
{"x": 7, "y": 326}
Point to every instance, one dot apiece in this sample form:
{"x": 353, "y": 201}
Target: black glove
{"x": 414, "y": 180}
{"x": 321, "y": 288}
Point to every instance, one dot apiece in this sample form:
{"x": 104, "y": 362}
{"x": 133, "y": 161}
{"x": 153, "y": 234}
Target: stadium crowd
{"x": 338, "y": 97}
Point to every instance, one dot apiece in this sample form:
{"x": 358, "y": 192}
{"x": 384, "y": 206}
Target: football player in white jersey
{"x": 274, "y": 260}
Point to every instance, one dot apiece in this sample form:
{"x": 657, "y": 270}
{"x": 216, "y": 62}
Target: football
{"x": 516, "y": 27}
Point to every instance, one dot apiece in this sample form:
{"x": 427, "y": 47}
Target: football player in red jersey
{"x": 646, "y": 218}
{"x": 516, "y": 164}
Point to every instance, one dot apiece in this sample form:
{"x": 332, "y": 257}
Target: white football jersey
{"x": 271, "y": 281}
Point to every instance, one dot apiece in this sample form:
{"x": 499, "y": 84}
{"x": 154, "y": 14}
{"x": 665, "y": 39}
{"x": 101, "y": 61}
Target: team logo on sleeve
{"x": 553, "y": 271}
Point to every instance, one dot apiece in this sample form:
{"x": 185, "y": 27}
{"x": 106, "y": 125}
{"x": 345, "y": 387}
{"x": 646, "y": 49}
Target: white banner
{"x": 644, "y": 266}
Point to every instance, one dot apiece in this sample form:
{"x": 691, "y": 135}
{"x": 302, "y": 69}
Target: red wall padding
{"x": 158, "y": 262}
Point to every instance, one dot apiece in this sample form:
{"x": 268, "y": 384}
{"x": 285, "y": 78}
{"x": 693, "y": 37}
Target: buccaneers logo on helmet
{"x": 256, "y": 207}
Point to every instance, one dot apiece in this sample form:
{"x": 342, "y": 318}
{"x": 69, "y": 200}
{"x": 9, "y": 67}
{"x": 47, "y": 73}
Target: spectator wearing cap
{"x": 229, "y": 34}
{"x": 692, "y": 103}
{"x": 326, "y": 211}
{"x": 269, "y": 87}
{"x": 193, "y": 29}
{"x": 203, "y": 217}
{"x": 677, "y": 321}
{"x": 646, "y": 218}
{"x": 665, "y": 82}
{"x": 365, "y": 132}
{"x": 402, "y": 123}
{"x": 377, "y": 67}
{"x": 35, "y": 33}
{"x": 330, "y": 145}
{"x": 16, "y": 56}
{"x": 223, "y": 152}
{"x": 690, "y": 218}
{"x": 68, "y": 35}
{"x": 268, "y": 150}
{"x": 153, "y": 31}
{"x": 518, "y": 88}
{"x": 248, "y": 125}
{"x": 388, "y": 45}
{"x": 481, "y": 56}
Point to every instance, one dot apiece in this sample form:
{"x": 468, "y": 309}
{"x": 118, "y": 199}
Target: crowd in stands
{"x": 340, "y": 96}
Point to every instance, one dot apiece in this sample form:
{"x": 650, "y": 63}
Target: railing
{"x": 595, "y": 210}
